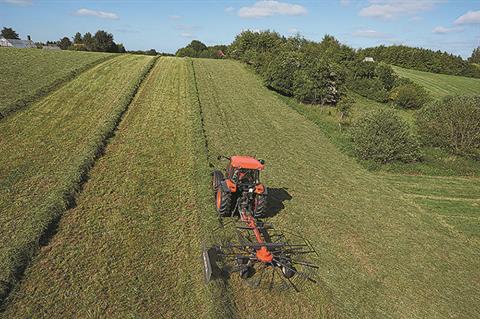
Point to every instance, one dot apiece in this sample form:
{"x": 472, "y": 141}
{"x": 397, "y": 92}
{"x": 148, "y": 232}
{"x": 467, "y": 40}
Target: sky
{"x": 447, "y": 25}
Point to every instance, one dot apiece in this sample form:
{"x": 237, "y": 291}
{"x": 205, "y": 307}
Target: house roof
{"x": 20, "y": 44}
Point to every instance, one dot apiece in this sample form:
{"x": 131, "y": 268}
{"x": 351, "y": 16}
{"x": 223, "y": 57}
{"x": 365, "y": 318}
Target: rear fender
{"x": 260, "y": 189}
{"x": 228, "y": 186}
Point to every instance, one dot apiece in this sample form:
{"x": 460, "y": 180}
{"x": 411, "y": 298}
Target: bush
{"x": 372, "y": 80}
{"x": 384, "y": 137}
{"x": 370, "y": 88}
{"x": 318, "y": 82}
{"x": 453, "y": 124}
{"x": 409, "y": 96}
{"x": 279, "y": 74}
{"x": 385, "y": 73}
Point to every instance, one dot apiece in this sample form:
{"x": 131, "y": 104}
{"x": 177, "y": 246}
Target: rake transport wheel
{"x": 223, "y": 202}
{"x": 260, "y": 205}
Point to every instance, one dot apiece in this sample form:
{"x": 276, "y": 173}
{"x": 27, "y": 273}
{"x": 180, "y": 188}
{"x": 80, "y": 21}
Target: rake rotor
{"x": 288, "y": 267}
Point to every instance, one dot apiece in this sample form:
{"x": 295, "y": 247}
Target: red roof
{"x": 247, "y": 162}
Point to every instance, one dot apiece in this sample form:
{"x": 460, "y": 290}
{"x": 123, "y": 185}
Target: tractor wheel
{"x": 222, "y": 202}
{"x": 260, "y": 205}
{"x": 217, "y": 177}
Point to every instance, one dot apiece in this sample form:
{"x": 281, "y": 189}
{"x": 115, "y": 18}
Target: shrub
{"x": 370, "y": 88}
{"x": 409, "y": 96}
{"x": 279, "y": 74}
{"x": 385, "y": 73}
{"x": 384, "y": 137}
{"x": 344, "y": 108}
{"x": 453, "y": 124}
{"x": 372, "y": 80}
{"x": 318, "y": 82}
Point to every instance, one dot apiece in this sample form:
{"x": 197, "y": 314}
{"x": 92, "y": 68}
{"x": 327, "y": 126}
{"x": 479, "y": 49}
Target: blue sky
{"x": 449, "y": 25}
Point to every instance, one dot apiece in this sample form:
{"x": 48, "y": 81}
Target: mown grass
{"x": 434, "y": 161}
{"x": 47, "y": 150}
{"x": 380, "y": 254}
{"x": 26, "y": 75}
{"x": 440, "y": 85}
{"x": 455, "y": 200}
{"x": 132, "y": 245}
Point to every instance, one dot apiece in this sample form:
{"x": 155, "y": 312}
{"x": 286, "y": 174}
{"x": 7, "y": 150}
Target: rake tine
{"x": 305, "y": 264}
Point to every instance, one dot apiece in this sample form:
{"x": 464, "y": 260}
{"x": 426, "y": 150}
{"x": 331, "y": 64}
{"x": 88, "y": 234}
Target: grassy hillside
{"x": 46, "y": 151}
{"x": 131, "y": 246}
{"x": 440, "y": 85}
{"x": 26, "y": 75}
{"x": 380, "y": 255}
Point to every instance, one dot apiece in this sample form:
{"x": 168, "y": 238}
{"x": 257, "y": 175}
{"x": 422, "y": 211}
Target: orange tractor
{"x": 242, "y": 175}
{"x": 259, "y": 247}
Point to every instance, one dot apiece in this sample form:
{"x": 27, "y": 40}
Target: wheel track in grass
{"x": 26, "y": 252}
{"x": 131, "y": 247}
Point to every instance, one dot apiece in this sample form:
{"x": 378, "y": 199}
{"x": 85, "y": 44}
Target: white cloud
{"x": 186, "y": 35}
{"x": 175, "y": 17}
{"x": 19, "y": 2}
{"x": 443, "y": 30}
{"x": 368, "y": 33}
{"x": 471, "y": 17}
{"x": 229, "y": 9}
{"x": 390, "y": 9}
{"x": 98, "y": 14}
{"x": 292, "y": 30}
{"x": 269, "y": 8}
{"x": 345, "y": 3}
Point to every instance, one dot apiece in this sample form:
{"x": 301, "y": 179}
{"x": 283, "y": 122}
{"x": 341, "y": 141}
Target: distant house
{"x": 368, "y": 59}
{"x": 19, "y": 44}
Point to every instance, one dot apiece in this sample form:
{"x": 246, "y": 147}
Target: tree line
{"x": 197, "y": 49}
{"x": 101, "y": 41}
{"x": 425, "y": 59}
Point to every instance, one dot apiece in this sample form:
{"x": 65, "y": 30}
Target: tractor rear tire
{"x": 260, "y": 205}
{"x": 223, "y": 202}
{"x": 217, "y": 178}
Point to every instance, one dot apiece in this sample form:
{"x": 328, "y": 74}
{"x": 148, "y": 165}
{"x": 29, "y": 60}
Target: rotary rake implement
{"x": 260, "y": 254}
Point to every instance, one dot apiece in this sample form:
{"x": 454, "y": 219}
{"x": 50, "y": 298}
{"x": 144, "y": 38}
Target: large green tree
{"x": 197, "y": 46}
{"x": 64, "y": 43}
{"x": 88, "y": 41}
{"x": 104, "y": 42}
{"x": 475, "y": 58}
{"x": 9, "y": 33}
{"x": 77, "y": 39}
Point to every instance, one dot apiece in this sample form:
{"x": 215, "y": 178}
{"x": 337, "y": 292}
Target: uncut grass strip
{"x": 16, "y": 258}
{"x": 24, "y": 102}
{"x": 131, "y": 247}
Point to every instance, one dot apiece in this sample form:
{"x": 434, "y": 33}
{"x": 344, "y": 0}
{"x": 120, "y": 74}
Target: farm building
{"x": 19, "y": 44}
{"x": 368, "y": 59}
